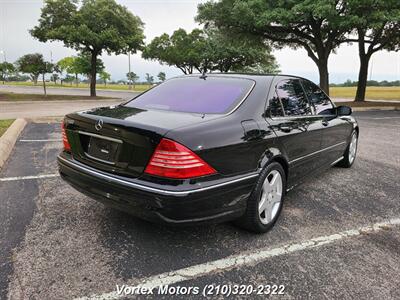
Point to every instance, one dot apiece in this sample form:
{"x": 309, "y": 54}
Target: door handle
{"x": 325, "y": 122}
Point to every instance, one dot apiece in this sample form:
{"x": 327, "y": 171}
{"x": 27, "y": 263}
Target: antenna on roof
{"x": 204, "y": 76}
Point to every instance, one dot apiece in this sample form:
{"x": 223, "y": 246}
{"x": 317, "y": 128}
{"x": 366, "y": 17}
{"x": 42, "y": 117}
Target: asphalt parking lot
{"x": 59, "y": 244}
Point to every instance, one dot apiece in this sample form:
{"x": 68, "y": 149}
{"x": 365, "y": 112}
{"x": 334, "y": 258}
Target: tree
{"x": 312, "y": 25}
{"x": 69, "y": 78}
{"x": 68, "y": 65}
{"x": 54, "y": 77}
{"x": 149, "y": 78}
{"x": 35, "y": 65}
{"x": 161, "y": 76}
{"x": 132, "y": 77}
{"x": 208, "y": 50}
{"x": 377, "y": 25}
{"x": 83, "y": 65}
{"x": 6, "y": 68}
{"x": 79, "y": 65}
{"x": 92, "y": 27}
{"x": 181, "y": 49}
{"x": 105, "y": 76}
{"x": 57, "y": 72}
{"x": 245, "y": 53}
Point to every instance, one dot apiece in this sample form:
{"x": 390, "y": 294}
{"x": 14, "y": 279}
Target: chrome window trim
{"x": 302, "y": 117}
{"x": 147, "y": 188}
{"x": 244, "y": 98}
{"x": 100, "y": 136}
{"x": 316, "y": 152}
{"x": 210, "y": 75}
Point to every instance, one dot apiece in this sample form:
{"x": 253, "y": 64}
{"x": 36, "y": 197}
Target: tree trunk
{"x": 44, "y": 85}
{"x": 76, "y": 80}
{"x": 363, "y": 71}
{"x": 323, "y": 75}
{"x": 93, "y": 73}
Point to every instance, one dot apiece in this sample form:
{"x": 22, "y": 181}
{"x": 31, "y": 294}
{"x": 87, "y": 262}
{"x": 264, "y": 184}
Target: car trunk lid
{"x": 120, "y": 139}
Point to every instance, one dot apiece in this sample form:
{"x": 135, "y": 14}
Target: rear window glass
{"x": 212, "y": 95}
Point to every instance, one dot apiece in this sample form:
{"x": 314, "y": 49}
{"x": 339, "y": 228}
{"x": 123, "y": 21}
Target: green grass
{"x": 373, "y": 92}
{"x": 119, "y": 87}
{"x": 40, "y": 97}
{"x": 4, "y": 124}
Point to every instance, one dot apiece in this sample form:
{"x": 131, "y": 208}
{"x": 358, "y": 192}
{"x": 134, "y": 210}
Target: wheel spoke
{"x": 268, "y": 211}
{"x": 273, "y": 180}
{"x": 261, "y": 205}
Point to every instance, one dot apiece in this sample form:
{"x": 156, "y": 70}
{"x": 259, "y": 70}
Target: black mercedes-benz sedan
{"x": 208, "y": 148}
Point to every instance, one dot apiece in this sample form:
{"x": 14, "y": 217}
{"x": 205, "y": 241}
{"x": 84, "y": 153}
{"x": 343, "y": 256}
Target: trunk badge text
{"x": 99, "y": 124}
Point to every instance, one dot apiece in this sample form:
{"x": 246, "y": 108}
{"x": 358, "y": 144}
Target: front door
{"x": 336, "y": 130}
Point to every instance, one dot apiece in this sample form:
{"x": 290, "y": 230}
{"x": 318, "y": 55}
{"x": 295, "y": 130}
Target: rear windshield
{"x": 212, "y": 95}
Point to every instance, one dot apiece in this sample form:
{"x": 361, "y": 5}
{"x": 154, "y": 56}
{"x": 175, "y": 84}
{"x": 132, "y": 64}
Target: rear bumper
{"x": 216, "y": 201}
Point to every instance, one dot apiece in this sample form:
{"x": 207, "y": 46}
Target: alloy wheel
{"x": 271, "y": 197}
{"x": 353, "y": 148}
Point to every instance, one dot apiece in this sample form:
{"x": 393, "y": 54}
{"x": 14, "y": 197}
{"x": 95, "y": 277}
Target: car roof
{"x": 253, "y": 76}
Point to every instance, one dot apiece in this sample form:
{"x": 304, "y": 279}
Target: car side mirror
{"x": 344, "y": 110}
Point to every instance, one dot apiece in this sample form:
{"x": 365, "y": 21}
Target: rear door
{"x": 298, "y": 131}
{"x": 336, "y": 130}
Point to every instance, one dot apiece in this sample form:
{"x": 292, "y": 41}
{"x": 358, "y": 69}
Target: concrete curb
{"x": 50, "y": 119}
{"x": 7, "y": 141}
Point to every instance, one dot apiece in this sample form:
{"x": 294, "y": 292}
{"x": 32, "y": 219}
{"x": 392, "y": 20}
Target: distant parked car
{"x": 207, "y": 148}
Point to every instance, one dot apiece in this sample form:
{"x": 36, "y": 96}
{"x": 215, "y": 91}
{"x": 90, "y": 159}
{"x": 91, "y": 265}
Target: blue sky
{"x": 18, "y": 16}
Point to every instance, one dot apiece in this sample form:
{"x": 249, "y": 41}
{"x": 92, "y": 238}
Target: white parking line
{"x": 50, "y": 140}
{"x": 43, "y": 176}
{"x": 235, "y": 261}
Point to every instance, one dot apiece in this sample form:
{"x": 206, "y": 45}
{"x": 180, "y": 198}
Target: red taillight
{"x": 173, "y": 160}
{"x": 67, "y": 146}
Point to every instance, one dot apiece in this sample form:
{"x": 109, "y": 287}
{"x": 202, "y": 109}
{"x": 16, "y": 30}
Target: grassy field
{"x": 370, "y": 104}
{"x": 39, "y": 97}
{"x": 118, "y": 87}
{"x": 4, "y": 124}
{"x": 373, "y": 92}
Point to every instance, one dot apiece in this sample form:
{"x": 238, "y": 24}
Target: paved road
{"x": 59, "y": 244}
{"x": 37, "y": 109}
{"x": 66, "y": 91}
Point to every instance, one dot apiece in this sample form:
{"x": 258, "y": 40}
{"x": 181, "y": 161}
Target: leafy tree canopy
{"x": 315, "y": 25}
{"x": 181, "y": 49}
{"x": 83, "y": 64}
{"x": 104, "y": 76}
{"x": 161, "y": 76}
{"x": 149, "y": 78}
{"x": 33, "y": 64}
{"x": 90, "y": 26}
{"x": 6, "y": 68}
{"x": 207, "y": 50}
{"x": 80, "y": 64}
{"x": 132, "y": 77}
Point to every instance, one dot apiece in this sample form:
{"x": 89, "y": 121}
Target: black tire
{"x": 347, "y": 162}
{"x": 251, "y": 219}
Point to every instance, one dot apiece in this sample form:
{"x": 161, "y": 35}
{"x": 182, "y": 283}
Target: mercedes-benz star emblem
{"x": 99, "y": 124}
